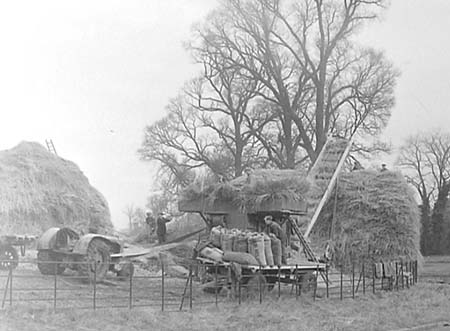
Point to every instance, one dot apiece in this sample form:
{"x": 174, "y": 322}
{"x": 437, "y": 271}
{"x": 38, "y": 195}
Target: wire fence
{"x": 171, "y": 288}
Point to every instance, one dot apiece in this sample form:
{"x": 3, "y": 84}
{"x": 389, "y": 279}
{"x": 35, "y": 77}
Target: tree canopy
{"x": 277, "y": 78}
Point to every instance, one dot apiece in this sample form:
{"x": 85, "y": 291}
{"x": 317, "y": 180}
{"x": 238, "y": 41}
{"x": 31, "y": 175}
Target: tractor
{"x": 91, "y": 254}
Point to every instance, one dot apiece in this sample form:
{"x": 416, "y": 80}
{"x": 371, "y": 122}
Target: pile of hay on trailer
{"x": 252, "y": 191}
{"x": 374, "y": 217}
{"x": 39, "y": 190}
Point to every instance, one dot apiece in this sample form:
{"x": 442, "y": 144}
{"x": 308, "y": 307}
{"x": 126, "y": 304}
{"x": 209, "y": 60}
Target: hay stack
{"x": 39, "y": 190}
{"x": 377, "y": 218}
{"x": 252, "y": 191}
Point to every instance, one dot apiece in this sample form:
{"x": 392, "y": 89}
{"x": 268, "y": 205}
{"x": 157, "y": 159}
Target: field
{"x": 426, "y": 303}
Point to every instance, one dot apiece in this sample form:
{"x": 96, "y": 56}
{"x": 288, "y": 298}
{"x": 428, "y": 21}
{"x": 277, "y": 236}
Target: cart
{"x": 9, "y": 257}
{"x": 261, "y": 278}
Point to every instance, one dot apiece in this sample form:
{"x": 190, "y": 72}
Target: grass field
{"x": 426, "y": 303}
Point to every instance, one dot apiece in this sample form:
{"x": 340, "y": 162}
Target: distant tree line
{"x": 427, "y": 157}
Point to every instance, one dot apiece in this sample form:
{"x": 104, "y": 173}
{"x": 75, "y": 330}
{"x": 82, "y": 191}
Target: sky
{"x": 91, "y": 74}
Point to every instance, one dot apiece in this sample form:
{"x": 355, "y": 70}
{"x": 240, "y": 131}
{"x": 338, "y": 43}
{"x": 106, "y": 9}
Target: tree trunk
{"x": 425, "y": 235}
{"x": 437, "y": 219}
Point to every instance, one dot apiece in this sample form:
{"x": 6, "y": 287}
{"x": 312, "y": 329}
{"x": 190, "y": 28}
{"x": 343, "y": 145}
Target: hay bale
{"x": 39, "y": 190}
{"x": 377, "y": 218}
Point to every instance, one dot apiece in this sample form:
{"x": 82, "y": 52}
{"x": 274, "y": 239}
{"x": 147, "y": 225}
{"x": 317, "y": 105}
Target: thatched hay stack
{"x": 39, "y": 190}
{"x": 250, "y": 192}
{"x": 377, "y": 218}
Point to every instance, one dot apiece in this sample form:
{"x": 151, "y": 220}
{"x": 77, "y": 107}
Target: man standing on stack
{"x": 276, "y": 229}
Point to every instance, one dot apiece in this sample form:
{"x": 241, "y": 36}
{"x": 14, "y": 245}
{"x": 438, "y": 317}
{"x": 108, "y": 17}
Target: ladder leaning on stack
{"x": 323, "y": 176}
{"x": 50, "y": 146}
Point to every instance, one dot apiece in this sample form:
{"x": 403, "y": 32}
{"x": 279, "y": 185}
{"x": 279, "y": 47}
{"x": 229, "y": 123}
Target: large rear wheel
{"x": 254, "y": 285}
{"x": 97, "y": 260}
{"x": 8, "y": 257}
{"x": 49, "y": 263}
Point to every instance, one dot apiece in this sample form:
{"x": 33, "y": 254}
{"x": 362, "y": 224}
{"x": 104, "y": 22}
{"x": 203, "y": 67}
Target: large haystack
{"x": 376, "y": 218}
{"x": 252, "y": 192}
{"x": 39, "y": 190}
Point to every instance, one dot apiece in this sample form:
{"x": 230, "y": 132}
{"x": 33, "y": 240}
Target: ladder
{"x": 308, "y": 251}
{"x": 50, "y": 146}
{"x": 323, "y": 176}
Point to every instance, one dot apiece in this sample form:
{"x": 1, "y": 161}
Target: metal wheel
{"x": 8, "y": 257}
{"x": 97, "y": 261}
{"x": 48, "y": 263}
{"x": 308, "y": 282}
{"x": 253, "y": 284}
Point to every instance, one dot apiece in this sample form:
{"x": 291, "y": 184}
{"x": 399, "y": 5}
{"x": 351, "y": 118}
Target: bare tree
{"x": 302, "y": 54}
{"x": 427, "y": 156}
{"x": 129, "y": 211}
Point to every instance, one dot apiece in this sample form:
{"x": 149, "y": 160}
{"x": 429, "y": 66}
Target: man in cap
{"x": 150, "y": 221}
{"x": 161, "y": 229}
{"x": 277, "y": 230}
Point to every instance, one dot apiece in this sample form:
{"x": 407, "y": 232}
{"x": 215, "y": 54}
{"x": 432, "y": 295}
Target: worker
{"x": 275, "y": 228}
{"x": 150, "y": 221}
{"x": 161, "y": 227}
{"x": 383, "y": 167}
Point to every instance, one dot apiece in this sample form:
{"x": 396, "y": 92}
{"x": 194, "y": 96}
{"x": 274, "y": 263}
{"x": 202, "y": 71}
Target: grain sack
{"x": 212, "y": 253}
{"x": 268, "y": 250}
{"x": 227, "y": 241}
{"x": 240, "y": 257}
{"x": 240, "y": 243}
{"x": 276, "y": 249}
{"x": 256, "y": 248}
{"x": 215, "y": 236}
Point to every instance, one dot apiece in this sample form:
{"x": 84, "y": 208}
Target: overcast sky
{"x": 91, "y": 74}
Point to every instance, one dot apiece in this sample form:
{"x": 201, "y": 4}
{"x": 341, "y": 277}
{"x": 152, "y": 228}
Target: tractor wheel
{"x": 48, "y": 263}
{"x": 254, "y": 284}
{"x": 8, "y": 257}
{"x": 97, "y": 260}
{"x": 308, "y": 282}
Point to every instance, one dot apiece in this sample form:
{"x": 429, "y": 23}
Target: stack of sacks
{"x": 265, "y": 249}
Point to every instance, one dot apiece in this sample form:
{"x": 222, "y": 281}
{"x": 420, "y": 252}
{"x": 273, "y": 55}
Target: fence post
{"x": 190, "y": 286}
{"x": 364, "y": 277}
{"x": 130, "y": 305}
{"x": 279, "y": 283}
{"x": 10, "y": 284}
{"x": 315, "y": 282}
{"x": 408, "y": 270}
{"x": 327, "y": 281}
{"x": 54, "y": 287}
{"x": 416, "y": 271}
{"x": 95, "y": 283}
{"x": 162, "y": 285}
{"x": 341, "y": 283}
{"x": 353, "y": 280}
{"x": 297, "y": 288}
{"x": 396, "y": 275}
{"x": 260, "y": 285}
{"x": 239, "y": 289}
{"x": 373, "y": 278}
{"x": 216, "y": 285}
{"x": 5, "y": 293}
{"x": 403, "y": 279}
